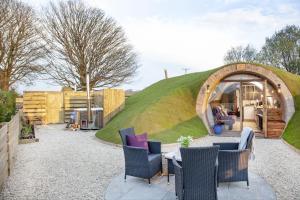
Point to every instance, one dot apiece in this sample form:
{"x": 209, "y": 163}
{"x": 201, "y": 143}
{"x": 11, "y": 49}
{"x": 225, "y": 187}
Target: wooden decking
{"x": 238, "y": 134}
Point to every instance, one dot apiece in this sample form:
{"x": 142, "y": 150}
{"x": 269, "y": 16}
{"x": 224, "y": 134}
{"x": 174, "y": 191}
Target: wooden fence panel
{"x": 13, "y": 138}
{"x": 55, "y": 108}
{"x": 9, "y": 136}
{"x": 113, "y": 102}
{"x": 73, "y": 100}
{"x": 3, "y": 154}
{"x": 34, "y": 106}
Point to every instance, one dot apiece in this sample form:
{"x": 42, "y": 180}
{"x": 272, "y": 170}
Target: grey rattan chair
{"x": 196, "y": 178}
{"x": 138, "y": 161}
{"x": 233, "y": 163}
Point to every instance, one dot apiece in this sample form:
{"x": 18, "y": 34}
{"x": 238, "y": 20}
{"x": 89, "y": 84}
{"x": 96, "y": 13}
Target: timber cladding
{"x": 113, "y": 102}
{"x": 3, "y": 155}
{"x": 73, "y": 100}
{"x": 9, "y": 136}
{"x": 34, "y": 106}
{"x": 56, "y": 107}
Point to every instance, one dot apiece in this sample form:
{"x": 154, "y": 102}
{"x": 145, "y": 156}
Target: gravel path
{"x": 275, "y": 161}
{"x": 76, "y": 165}
{"x": 63, "y": 165}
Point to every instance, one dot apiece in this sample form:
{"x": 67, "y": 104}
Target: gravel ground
{"x": 76, "y": 165}
{"x": 275, "y": 161}
{"x": 63, "y": 165}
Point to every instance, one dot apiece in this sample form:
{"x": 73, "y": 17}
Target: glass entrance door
{"x": 253, "y": 104}
{"x": 225, "y": 103}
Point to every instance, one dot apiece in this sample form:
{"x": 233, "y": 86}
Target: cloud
{"x": 168, "y": 34}
{"x": 202, "y": 40}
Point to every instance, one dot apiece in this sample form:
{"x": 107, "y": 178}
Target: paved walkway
{"x": 137, "y": 189}
{"x": 76, "y": 165}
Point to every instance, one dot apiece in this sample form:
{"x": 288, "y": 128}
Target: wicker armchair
{"x": 233, "y": 163}
{"x": 196, "y": 178}
{"x": 139, "y": 162}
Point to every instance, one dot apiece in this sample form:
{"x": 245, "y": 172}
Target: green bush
{"x": 7, "y": 105}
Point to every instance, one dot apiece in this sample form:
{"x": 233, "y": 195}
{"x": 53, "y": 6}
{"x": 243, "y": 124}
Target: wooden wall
{"x": 55, "y": 107}
{"x": 78, "y": 99}
{"x": 34, "y": 106}
{"x": 14, "y": 130}
{"x": 9, "y": 136}
{"x": 113, "y": 102}
{"x": 74, "y": 100}
{"x": 3, "y": 154}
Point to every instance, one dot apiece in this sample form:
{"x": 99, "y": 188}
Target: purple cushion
{"x": 138, "y": 140}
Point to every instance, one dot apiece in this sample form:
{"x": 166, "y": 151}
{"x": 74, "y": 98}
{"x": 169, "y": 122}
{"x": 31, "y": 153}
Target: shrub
{"x": 7, "y": 105}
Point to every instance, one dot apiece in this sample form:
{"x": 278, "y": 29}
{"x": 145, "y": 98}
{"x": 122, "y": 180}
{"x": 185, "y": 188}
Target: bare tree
{"x": 20, "y": 48}
{"x": 83, "y": 40}
{"x": 241, "y": 54}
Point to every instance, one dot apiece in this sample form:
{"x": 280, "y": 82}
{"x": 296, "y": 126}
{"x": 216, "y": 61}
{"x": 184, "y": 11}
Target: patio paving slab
{"x": 137, "y": 188}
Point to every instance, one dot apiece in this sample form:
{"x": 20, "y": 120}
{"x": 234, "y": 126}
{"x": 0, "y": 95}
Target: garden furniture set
{"x": 141, "y": 162}
{"x": 198, "y": 170}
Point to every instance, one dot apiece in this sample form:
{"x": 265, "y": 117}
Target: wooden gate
{"x": 55, "y": 108}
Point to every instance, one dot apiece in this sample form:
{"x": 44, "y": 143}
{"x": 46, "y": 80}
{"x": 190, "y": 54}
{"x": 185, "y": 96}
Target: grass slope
{"x": 166, "y": 110}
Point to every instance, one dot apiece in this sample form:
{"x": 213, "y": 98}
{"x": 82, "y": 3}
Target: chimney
{"x": 166, "y": 74}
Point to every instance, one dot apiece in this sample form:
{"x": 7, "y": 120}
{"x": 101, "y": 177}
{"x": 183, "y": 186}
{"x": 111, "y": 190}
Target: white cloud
{"x": 197, "y": 40}
{"x": 203, "y": 40}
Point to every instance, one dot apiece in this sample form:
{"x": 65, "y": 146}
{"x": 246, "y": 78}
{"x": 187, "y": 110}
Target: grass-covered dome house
{"x": 262, "y": 97}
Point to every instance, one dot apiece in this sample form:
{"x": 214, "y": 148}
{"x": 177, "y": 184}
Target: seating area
{"x": 141, "y": 160}
{"x": 137, "y": 189}
{"x": 198, "y": 171}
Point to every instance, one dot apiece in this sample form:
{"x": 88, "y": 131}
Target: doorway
{"x": 242, "y": 100}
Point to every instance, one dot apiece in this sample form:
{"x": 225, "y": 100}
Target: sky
{"x": 193, "y": 34}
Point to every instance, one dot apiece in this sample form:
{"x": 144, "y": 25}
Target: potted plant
{"x": 185, "y": 141}
{"x": 27, "y": 133}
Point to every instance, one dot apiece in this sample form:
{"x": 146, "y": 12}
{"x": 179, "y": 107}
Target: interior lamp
{"x": 207, "y": 88}
{"x": 278, "y": 88}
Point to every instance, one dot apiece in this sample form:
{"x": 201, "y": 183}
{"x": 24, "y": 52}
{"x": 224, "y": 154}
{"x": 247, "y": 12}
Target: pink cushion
{"x": 138, "y": 140}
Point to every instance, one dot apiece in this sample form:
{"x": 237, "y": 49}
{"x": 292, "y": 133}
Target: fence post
{"x": 3, "y": 154}
{"x": 8, "y": 150}
{"x": 13, "y": 131}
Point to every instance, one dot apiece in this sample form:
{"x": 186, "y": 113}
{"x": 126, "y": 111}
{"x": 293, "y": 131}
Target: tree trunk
{"x": 4, "y": 86}
{"x": 4, "y": 81}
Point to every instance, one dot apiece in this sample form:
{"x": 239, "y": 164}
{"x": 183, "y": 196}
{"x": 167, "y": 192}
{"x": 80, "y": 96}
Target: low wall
{"x": 9, "y": 136}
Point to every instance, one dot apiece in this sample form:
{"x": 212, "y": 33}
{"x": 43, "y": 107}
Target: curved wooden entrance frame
{"x": 202, "y": 100}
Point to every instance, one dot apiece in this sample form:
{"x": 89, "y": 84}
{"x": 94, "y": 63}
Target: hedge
{"x": 7, "y": 105}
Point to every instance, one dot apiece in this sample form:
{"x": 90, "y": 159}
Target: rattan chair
{"x": 196, "y": 178}
{"x": 138, "y": 161}
{"x": 233, "y": 163}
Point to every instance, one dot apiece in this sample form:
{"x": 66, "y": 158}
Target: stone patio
{"x": 136, "y": 188}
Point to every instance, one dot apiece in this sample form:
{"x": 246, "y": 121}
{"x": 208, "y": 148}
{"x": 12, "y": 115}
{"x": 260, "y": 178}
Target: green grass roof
{"x": 167, "y": 109}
